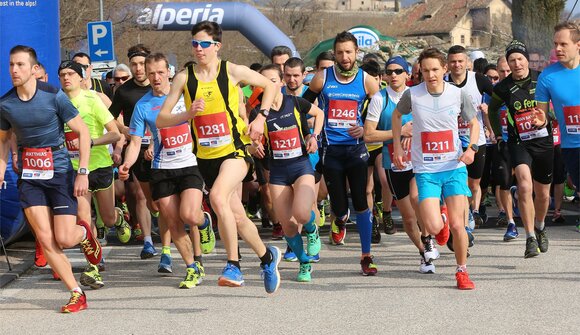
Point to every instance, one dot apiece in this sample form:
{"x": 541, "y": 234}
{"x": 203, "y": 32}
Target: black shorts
{"x": 538, "y": 155}
{"x": 502, "y": 169}
{"x": 142, "y": 167}
{"x": 260, "y": 166}
{"x": 100, "y": 179}
{"x": 287, "y": 172}
{"x": 475, "y": 169}
{"x": 210, "y": 168}
{"x": 56, "y": 193}
{"x": 167, "y": 182}
{"x": 559, "y": 169}
{"x": 399, "y": 183}
{"x": 373, "y": 156}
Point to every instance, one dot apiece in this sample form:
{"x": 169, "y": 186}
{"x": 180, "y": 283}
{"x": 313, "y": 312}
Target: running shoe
{"x": 389, "y": 224}
{"x": 92, "y": 278}
{"x": 231, "y": 276}
{"x": 148, "y": 251}
{"x": 443, "y": 235}
{"x": 515, "y": 208}
{"x": 55, "y": 275}
{"x": 532, "y": 248}
{"x": 76, "y": 303}
{"x": 511, "y": 232}
{"x": 102, "y": 233}
{"x": 558, "y": 217}
{"x": 101, "y": 265}
{"x": 314, "y": 259}
{"x": 321, "y": 209}
{"x": 138, "y": 233}
{"x": 313, "y": 243}
{"x": 426, "y": 267}
{"x": 470, "y": 237}
{"x": 90, "y": 245}
{"x": 337, "y": 232}
{"x": 289, "y": 255}
{"x": 277, "y": 232}
{"x": 463, "y": 281}
{"x": 266, "y": 222}
{"x": 270, "y": 272}
{"x": 207, "y": 235}
{"x": 39, "y": 259}
{"x": 201, "y": 269}
{"x": 431, "y": 253}
{"x": 192, "y": 278}
{"x": 165, "y": 264}
{"x": 502, "y": 220}
{"x": 368, "y": 267}
{"x": 304, "y": 273}
{"x": 478, "y": 220}
{"x": 470, "y": 220}
{"x": 375, "y": 232}
{"x": 542, "y": 238}
{"x": 122, "y": 227}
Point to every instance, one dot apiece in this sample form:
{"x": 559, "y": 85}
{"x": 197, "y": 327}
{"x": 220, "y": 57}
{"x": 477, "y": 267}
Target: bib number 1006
{"x": 38, "y": 163}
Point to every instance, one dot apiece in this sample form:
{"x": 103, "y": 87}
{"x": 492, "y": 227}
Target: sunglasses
{"x": 493, "y": 77}
{"x": 124, "y": 78}
{"x": 204, "y": 44}
{"x": 397, "y": 72}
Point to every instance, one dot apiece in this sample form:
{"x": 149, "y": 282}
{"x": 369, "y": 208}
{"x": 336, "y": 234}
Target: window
{"x": 343, "y": 3}
{"x": 462, "y": 39}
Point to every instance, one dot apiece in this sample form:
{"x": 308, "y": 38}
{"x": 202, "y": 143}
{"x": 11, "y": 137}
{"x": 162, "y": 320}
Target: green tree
{"x": 533, "y": 21}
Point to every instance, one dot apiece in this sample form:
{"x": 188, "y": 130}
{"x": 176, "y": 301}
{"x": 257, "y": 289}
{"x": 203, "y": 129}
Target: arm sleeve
{"x": 65, "y": 109}
{"x": 375, "y": 108}
{"x": 404, "y": 105}
{"x": 467, "y": 110}
{"x": 542, "y": 91}
{"x": 303, "y": 105}
{"x": 493, "y": 112}
{"x": 310, "y": 95}
{"x": 137, "y": 126}
{"x": 483, "y": 84}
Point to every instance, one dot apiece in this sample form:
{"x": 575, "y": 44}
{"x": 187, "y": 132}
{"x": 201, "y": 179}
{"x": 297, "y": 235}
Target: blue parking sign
{"x": 100, "y": 38}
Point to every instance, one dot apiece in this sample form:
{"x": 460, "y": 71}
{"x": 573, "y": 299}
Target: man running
{"x": 36, "y": 112}
{"x": 212, "y": 101}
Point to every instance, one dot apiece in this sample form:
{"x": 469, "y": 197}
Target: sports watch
{"x": 83, "y": 171}
{"x": 474, "y": 147}
{"x": 265, "y": 112}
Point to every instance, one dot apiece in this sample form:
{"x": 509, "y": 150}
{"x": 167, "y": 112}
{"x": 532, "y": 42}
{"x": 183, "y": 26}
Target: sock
{"x": 148, "y": 239}
{"x": 84, "y": 233}
{"x": 461, "y": 268}
{"x": 364, "y": 225}
{"x": 295, "y": 242}
{"x": 267, "y": 257}
{"x": 511, "y": 221}
{"x": 198, "y": 259}
{"x": 425, "y": 239}
{"x": 539, "y": 225}
{"x": 166, "y": 250}
{"x": 530, "y": 234}
{"x": 309, "y": 226}
{"x": 205, "y": 223}
{"x": 193, "y": 266}
{"x": 76, "y": 289}
{"x": 235, "y": 263}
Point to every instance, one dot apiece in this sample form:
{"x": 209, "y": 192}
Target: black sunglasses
{"x": 397, "y": 72}
{"x": 121, "y": 78}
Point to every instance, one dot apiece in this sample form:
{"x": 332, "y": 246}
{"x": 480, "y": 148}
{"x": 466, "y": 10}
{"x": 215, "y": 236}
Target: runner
{"x": 401, "y": 182}
{"x": 436, "y": 153}
{"x": 36, "y": 113}
{"x": 530, "y": 144}
{"x": 175, "y": 179}
{"x": 97, "y": 118}
{"x": 95, "y": 84}
{"x": 342, "y": 90}
{"x": 288, "y": 143}
{"x": 279, "y": 55}
{"x": 560, "y": 83}
{"x": 220, "y": 144}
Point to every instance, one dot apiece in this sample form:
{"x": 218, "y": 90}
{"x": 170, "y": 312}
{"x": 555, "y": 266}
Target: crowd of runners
{"x": 193, "y": 153}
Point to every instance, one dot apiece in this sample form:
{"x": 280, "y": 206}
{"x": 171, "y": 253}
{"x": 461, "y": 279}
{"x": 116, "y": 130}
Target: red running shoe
{"x": 443, "y": 236}
{"x": 463, "y": 281}
{"x": 90, "y": 245}
{"x": 39, "y": 259}
{"x": 337, "y": 232}
{"x": 277, "y": 232}
{"x": 368, "y": 267}
{"x": 76, "y": 303}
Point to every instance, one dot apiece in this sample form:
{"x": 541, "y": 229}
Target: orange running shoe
{"x": 76, "y": 303}
{"x": 90, "y": 245}
{"x": 463, "y": 281}
{"x": 39, "y": 259}
{"x": 443, "y": 236}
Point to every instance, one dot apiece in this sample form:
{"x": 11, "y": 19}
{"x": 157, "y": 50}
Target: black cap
{"x": 76, "y": 67}
{"x": 517, "y": 46}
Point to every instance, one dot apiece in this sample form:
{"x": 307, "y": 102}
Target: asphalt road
{"x": 513, "y": 295}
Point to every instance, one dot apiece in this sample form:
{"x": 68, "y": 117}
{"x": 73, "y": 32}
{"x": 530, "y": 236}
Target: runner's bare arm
{"x": 14, "y": 149}
{"x": 5, "y": 136}
{"x": 372, "y": 134}
{"x": 77, "y": 125}
{"x": 110, "y": 137}
{"x": 371, "y": 86}
{"x": 165, "y": 118}
{"x": 130, "y": 157}
{"x": 396, "y": 122}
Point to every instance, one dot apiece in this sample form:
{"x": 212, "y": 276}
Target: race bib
{"x": 556, "y": 132}
{"x": 72, "y": 144}
{"x": 407, "y": 160}
{"x": 342, "y": 113}
{"x": 176, "y": 140}
{"x": 525, "y": 127}
{"x": 572, "y": 119}
{"x": 146, "y": 140}
{"x": 212, "y": 130}
{"x": 37, "y": 163}
{"x": 438, "y": 146}
{"x": 285, "y": 143}
{"x": 503, "y": 121}
{"x": 463, "y": 127}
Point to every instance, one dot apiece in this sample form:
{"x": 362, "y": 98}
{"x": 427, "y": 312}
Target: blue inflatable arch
{"x": 230, "y": 15}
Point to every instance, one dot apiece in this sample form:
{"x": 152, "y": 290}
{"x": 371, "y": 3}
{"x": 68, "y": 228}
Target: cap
{"x": 399, "y": 61}
{"x": 517, "y": 46}
{"x": 76, "y": 67}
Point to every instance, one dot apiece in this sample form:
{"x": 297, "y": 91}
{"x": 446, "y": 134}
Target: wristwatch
{"x": 316, "y": 137}
{"x": 474, "y": 147}
{"x": 265, "y": 112}
{"x": 83, "y": 171}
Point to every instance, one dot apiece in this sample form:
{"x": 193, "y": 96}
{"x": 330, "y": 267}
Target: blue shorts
{"x": 286, "y": 172}
{"x": 446, "y": 183}
{"x": 56, "y": 193}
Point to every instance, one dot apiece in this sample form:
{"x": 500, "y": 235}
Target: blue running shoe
{"x": 231, "y": 276}
{"x": 471, "y": 220}
{"x": 165, "y": 264}
{"x": 314, "y": 259}
{"x": 514, "y": 193}
{"x": 270, "y": 272}
{"x": 470, "y": 236}
{"x": 511, "y": 232}
{"x": 289, "y": 255}
{"x": 148, "y": 251}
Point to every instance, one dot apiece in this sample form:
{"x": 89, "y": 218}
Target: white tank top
{"x": 476, "y": 99}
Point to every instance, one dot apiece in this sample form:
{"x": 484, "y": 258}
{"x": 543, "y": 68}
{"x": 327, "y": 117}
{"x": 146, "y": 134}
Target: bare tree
{"x": 533, "y": 20}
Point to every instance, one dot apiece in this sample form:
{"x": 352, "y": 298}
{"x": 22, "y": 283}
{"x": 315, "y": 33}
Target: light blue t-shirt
{"x": 562, "y": 86}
